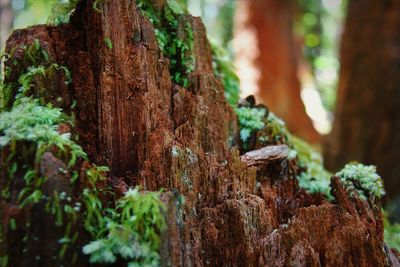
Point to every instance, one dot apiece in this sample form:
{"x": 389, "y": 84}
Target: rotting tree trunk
{"x": 277, "y": 61}
{"x": 131, "y": 117}
{"x": 367, "y": 121}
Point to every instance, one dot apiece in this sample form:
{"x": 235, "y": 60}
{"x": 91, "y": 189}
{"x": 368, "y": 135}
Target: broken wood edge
{"x": 265, "y": 155}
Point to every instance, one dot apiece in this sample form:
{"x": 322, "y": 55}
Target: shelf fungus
{"x": 265, "y": 155}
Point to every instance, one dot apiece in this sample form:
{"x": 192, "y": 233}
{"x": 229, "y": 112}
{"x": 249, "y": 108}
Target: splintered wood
{"x": 265, "y": 155}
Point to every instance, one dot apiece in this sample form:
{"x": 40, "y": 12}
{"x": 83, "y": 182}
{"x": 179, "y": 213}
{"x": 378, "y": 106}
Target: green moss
{"x": 250, "y": 120}
{"x": 131, "y": 231}
{"x": 275, "y": 131}
{"x": 3, "y": 72}
{"x": 65, "y": 212}
{"x": 35, "y": 62}
{"x": 176, "y": 152}
{"x": 61, "y": 12}
{"x": 312, "y": 176}
{"x": 174, "y": 36}
{"x": 392, "y": 232}
{"x": 28, "y": 129}
{"x": 224, "y": 69}
{"x": 28, "y": 121}
{"x": 34, "y": 75}
{"x": 363, "y": 179}
{"x": 108, "y": 43}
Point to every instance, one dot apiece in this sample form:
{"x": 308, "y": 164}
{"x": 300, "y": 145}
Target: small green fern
{"x": 131, "y": 231}
{"x": 174, "y": 38}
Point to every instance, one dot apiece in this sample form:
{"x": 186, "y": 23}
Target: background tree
{"x": 367, "y": 123}
{"x": 6, "y": 19}
{"x": 277, "y": 61}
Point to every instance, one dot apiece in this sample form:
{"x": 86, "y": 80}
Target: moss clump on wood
{"x": 131, "y": 231}
{"x": 27, "y": 132}
{"x": 312, "y": 176}
{"x": 363, "y": 179}
{"x": 33, "y": 62}
{"x": 61, "y": 12}
{"x": 250, "y": 120}
{"x": 30, "y": 128}
{"x": 28, "y": 121}
{"x": 174, "y": 36}
{"x": 224, "y": 69}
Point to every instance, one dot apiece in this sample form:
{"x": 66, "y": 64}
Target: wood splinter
{"x": 265, "y": 155}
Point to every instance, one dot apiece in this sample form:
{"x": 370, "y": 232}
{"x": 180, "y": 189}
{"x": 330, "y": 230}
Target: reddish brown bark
{"x": 367, "y": 121}
{"x": 131, "y": 117}
{"x": 277, "y": 61}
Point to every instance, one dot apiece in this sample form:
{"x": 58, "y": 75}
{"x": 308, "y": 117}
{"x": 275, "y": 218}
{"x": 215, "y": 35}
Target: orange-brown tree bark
{"x": 367, "y": 121}
{"x": 277, "y": 61}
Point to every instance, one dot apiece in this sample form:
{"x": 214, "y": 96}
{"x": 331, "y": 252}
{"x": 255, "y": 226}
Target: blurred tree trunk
{"x": 277, "y": 61}
{"x": 367, "y": 125}
{"x": 6, "y": 20}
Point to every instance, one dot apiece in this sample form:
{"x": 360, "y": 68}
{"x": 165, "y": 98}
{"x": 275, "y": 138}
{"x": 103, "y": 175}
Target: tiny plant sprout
{"x": 108, "y": 43}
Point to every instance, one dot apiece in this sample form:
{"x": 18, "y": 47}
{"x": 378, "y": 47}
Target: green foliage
{"x": 28, "y": 129}
{"x": 315, "y": 178}
{"x": 61, "y": 12}
{"x": 131, "y": 231}
{"x": 250, "y": 119}
{"x": 224, "y": 69}
{"x": 312, "y": 176}
{"x": 26, "y": 80}
{"x": 96, "y": 4}
{"x": 276, "y": 131}
{"x": 31, "y": 122}
{"x": 96, "y": 174}
{"x": 34, "y": 63}
{"x": 178, "y": 6}
{"x": 363, "y": 179}
{"x": 4, "y": 261}
{"x": 108, "y": 43}
{"x": 174, "y": 37}
{"x": 392, "y": 232}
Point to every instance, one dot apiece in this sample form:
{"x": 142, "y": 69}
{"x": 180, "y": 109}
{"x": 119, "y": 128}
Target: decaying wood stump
{"x": 131, "y": 117}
